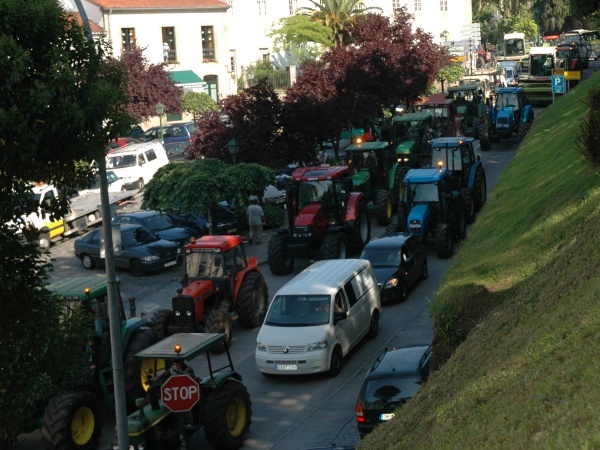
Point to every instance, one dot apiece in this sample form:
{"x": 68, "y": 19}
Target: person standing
{"x": 256, "y": 220}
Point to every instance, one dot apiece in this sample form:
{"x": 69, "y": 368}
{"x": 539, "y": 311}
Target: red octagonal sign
{"x": 180, "y": 393}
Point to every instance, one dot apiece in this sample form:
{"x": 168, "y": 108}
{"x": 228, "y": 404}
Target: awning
{"x": 185, "y": 77}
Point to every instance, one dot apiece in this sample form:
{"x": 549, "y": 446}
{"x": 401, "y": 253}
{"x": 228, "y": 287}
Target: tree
{"x": 301, "y": 37}
{"x": 148, "y": 85}
{"x": 61, "y": 100}
{"x": 196, "y": 103}
{"x": 450, "y": 74}
{"x": 553, "y": 14}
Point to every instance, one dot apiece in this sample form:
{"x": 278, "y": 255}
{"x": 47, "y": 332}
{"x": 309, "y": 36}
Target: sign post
{"x": 558, "y": 85}
{"x": 180, "y": 393}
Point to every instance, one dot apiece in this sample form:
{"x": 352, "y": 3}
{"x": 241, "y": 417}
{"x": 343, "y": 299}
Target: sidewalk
{"x": 259, "y": 251}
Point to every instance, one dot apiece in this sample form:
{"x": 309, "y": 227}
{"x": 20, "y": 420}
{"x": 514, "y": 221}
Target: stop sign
{"x": 180, "y": 393}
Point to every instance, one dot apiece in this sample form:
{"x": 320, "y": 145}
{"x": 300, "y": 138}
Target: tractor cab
{"x": 410, "y": 133}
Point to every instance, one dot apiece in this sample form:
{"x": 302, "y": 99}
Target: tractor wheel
{"x": 334, "y": 246}
{"x": 383, "y": 207}
{"x": 278, "y": 255}
{"x": 162, "y": 320}
{"x": 444, "y": 242}
{"x": 469, "y": 204}
{"x": 484, "y": 138}
{"x": 219, "y": 321}
{"x": 476, "y": 127}
{"x": 136, "y": 380}
{"x": 374, "y": 325}
{"x": 523, "y": 129}
{"x": 72, "y": 421}
{"x": 336, "y": 363}
{"x": 136, "y": 267}
{"x": 402, "y": 218}
{"x": 87, "y": 261}
{"x": 252, "y": 300}
{"x": 361, "y": 228}
{"x": 227, "y": 416}
{"x": 480, "y": 190}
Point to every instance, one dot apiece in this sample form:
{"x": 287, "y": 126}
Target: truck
{"x": 85, "y": 212}
{"x": 537, "y": 82}
{"x": 326, "y": 218}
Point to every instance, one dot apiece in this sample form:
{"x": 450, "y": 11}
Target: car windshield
{"x": 119, "y": 162}
{"x": 382, "y": 257}
{"x": 299, "y": 311}
{"x": 383, "y": 392}
{"x": 138, "y": 236}
{"x": 158, "y": 222}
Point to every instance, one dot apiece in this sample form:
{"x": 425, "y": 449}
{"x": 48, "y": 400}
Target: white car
{"x": 115, "y": 184}
{"x": 272, "y": 196}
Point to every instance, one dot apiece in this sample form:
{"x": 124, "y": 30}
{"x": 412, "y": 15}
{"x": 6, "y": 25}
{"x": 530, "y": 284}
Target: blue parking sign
{"x": 558, "y": 84}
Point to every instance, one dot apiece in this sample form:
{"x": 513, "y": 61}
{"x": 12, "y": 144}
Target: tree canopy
{"x": 301, "y": 37}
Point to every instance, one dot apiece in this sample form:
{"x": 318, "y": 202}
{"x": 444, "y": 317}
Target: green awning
{"x": 185, "y": 77}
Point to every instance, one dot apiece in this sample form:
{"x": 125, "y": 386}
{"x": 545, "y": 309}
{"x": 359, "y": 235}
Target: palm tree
{"x": 338, "y": 15}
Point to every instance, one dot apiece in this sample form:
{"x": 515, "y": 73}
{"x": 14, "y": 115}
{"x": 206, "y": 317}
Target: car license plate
{"x": 286, "y": 367}
{"x": 169, "y": 264}
{"x": 387, "y": 416}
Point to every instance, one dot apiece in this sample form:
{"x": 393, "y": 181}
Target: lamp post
{"x": 234, "y": 148}
{"x": 160, "y": 109}
{"x": 250, "y": 75}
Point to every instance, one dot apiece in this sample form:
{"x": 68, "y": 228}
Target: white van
{"x": 136, "y": 164}
{"x": 318, "y": 317}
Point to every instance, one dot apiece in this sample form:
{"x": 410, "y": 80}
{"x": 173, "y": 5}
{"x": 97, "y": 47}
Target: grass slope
{"x": 520, "y": 309}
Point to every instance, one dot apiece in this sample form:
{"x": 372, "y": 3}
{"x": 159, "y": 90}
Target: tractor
{"x": 222, "y": 406}
{"x": 217, "y": 280}
{"x": 73, "y": 418}
{"x": 326, "y": 218}
{"x": 432, "y": 209}
{"x": 409, "y": 135}
{"x": 470, "y": 103}
{"x": 377, "y": 175}
{"x": 512, "y": 113}
{"x": 446, "y": 121}
{"x": 457, "y": 154}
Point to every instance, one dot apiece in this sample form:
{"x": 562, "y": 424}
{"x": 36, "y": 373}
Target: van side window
{"x": 150, "y": 155}
{"x": 350, "y": 294}
{"x": 362, "y": 282}
{"x": 340, "y": 304}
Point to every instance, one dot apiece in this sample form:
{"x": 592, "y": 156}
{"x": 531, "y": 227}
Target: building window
{"x": 169, "y": 48}
{"x": 231, "y": 61}
{"x": 396, "y": 5}
{"x": 293, "y": 6}
{"x": 443, "y": 5}
{"x": 417, "y": 5}
{"x": 208, "y": 44}
{"x": 265, "y": 55}
{"x": 127, "y": 38}
{"x": 262, "y": 7}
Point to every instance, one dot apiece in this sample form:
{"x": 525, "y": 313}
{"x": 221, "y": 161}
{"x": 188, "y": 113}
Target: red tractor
{"x": 217, "y": 280}
{"x": 446, "y": 122}
{"x": 326, "y": 219}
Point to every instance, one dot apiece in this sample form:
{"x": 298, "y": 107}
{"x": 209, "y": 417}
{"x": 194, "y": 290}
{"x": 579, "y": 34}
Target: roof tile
{"x": 162, "y": 4}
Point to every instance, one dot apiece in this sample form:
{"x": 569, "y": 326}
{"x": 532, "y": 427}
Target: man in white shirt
{"x": 256, "y": 220}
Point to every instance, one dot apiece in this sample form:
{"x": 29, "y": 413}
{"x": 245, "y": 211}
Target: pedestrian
{"x": 256, "y": 220}
{"x": 166, "y": 51}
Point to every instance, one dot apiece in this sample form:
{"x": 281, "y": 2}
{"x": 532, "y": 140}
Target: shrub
{"x": 588, "y": 142}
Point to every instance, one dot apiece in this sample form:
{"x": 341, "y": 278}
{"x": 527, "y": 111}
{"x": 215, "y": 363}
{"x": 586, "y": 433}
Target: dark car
{"x": 399, "y": 262}
{"x": 141, "y": 250}
{"x": 159, "y": 223}
{"x": 394, "y": 378}
{"x": 226, "y": 221}
{"x": 172, "y": 132}
{"x": 177, "y": 151}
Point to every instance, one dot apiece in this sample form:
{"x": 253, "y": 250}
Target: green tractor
{"x": 376, "y": 173}
{"x": 73, "y": 419}
{"x": 470, "y": 103}
{"x": 410, "y": 134}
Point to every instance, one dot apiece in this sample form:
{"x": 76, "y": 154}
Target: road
{"x": 294, "y": 412}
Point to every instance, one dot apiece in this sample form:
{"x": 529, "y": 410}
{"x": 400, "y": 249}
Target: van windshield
{"x": 299, "y": 311}
{"x": 119, "y": 162}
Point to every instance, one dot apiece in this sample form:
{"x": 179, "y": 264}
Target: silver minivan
{"x": 318, "y": 317}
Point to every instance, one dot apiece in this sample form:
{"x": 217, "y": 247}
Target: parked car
{"x": 115, "y": 184}
{"x": 122, "y": 142}
{"x": 177, "y": 151}
{"x": 272, "y": 196}
{"x": 399, "y": 262}
{"x": 141, "y": 251}
{"x": 226, "y": 221}
{"x": 136, "y": 164}
{"x": 393, "y": 379}
{"x": 172, "y": 132}
{"x": 159, "y": 223}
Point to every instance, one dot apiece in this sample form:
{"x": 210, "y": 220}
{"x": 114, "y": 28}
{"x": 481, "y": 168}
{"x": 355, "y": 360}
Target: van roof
{"x": 135, "y": 148}
{"x": 323, "y": 277}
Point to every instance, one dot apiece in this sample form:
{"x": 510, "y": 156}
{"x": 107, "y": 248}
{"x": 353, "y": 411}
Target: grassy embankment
{"x": 521, "y": 307}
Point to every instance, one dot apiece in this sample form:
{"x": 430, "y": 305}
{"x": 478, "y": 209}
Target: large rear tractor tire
{"x": 252, "y": 301}
{"x": 361, "y": 228}
{"x": 469, "y": 205}
{"x": 162, "y": 320}
{"x": 444, "y": 245}
{"x": 485, "y": 141}
{"x": 383, "y": 207}
{"x": 219, "y": 321}
{"x": 135, "y": 377}
{"x": 480, "y": 190}
{"x": 476, "y": 127}
{"x": 523, "y": 130}
{"x": 278, "y": 255}
{"x": 227, "y": 416}
{"x": 72, "y": 421}
{"x": 335, "y": 246}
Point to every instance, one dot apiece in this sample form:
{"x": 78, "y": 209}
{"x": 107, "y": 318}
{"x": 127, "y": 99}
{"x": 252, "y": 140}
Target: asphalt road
{"x": 292, "y": 412}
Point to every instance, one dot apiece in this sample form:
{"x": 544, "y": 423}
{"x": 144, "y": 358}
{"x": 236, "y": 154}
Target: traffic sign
{"x": 558, "y": 84}
{"x": 180, "y": 393}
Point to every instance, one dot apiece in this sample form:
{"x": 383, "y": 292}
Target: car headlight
{"x": 178, "y": 250}
{"x": 261, "y": 346}
{"x": 150, "y": 258}
{"x": 317, "y": 346}
{"x": 392, "y": 282}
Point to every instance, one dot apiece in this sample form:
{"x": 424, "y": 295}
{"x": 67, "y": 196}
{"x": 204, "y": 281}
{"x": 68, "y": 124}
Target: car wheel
{"x": 44, "y": 241}
{"x": 87, "y": 261}
{"x": 374, "y": 325}
{"x": 337, "y": 361}
{"x": 140, "y": 184}
{"x": 136, "y": 267}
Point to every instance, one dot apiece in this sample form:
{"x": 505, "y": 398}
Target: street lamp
{"x": 160, "y": 109}
{"x": 234, "y": 148}
{"x": 250, "y": 75}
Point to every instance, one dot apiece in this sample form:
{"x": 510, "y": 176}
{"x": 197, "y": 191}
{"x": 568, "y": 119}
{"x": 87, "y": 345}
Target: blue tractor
{"x": 432, "y": 208}
{"x": 457, "y": 154}
{"x": 512, "y": 114}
